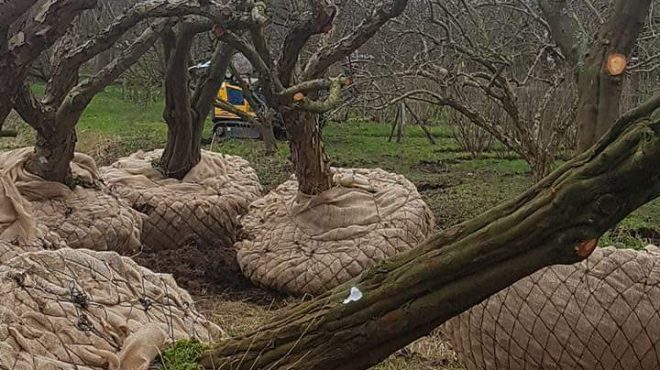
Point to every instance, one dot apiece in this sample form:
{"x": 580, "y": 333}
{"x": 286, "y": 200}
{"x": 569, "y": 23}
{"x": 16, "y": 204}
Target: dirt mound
{"x": 300, "y": 244}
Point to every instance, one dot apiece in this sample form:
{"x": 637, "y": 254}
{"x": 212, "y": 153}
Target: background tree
{"x": 495, "y": 65}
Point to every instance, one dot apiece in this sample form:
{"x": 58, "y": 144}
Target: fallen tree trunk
{"x": 558, "y": 221}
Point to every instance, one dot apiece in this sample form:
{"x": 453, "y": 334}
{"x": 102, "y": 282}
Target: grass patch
{"x": 182, "y": 355}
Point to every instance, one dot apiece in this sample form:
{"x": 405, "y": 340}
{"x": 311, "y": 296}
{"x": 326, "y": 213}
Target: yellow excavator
{"x": 227, "y": 124}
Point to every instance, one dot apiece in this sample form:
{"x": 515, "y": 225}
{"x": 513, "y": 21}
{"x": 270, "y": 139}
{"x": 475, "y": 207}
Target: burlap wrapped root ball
{"x": 84, "y": 216}
{"x": 19, "y": 230}
{"x": 300, "y": 244}
{"x": 603, "y": 313}
{"x": 202, "y": 208}
{"x": 81, "y": 309}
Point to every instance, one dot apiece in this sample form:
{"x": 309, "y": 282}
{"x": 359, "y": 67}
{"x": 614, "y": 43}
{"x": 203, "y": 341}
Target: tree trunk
{"x": 53, "y": 153}
{"x": 186, "y": 115}
{"x": 556, "y": 221}
{"x": 10, "y": 80}
{"x": 178, "y": 157}
{"x": 307, "y": 152}
{"x": 268, "y": 136}
{"x": 599, "y": 88}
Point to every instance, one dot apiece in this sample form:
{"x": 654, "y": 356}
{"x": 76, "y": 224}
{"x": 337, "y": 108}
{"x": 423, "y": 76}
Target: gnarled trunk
{"x": 307, "y": 152}
{"x": 557, "y": 221}
{"x": 185, "y": 114}
{"x": 53, "y": 153}
{"x": 180, "y": 155}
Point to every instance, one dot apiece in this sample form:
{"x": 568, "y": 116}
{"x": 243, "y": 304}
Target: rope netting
{"x": 202, "y": 208}
{"x": 603, "y": 313}
{"x": 300, "y": 244}
{"x": 82, "y": 309}
{"x": 87, "y": 216}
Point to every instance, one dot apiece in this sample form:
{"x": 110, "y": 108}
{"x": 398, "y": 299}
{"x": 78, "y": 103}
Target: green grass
{"x": 455, "y": 186}
{"x": 182, "y": 355}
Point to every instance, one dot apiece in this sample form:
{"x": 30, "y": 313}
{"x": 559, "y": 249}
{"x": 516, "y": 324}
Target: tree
{"x": 292, "y": 86}
{"x": 557, "y": 221}
{"x": 25, "y": 32}
{"x": 55, "y": 116}
{"x": 499, "y": 81}
{"x": 184, "y": 113}
{"x": 599, "y": 68}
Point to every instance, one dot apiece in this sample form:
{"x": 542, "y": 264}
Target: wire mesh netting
{"x": 81, "y": 309}
{"x": 603, "y": 313}
{"x": 202, "y": 208}
{"x": 83, "y": 214}
{"x": 300, "y": 244}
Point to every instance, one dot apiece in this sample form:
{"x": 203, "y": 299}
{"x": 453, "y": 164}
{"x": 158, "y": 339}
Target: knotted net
{"x": 84, "y": 217}
{"x": 602, "y": 313}
{"x": 81, "y": 309}
{"x": 202, "y": 208}
{"x": 308, "y": 244}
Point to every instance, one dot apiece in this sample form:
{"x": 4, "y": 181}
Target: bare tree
{"x": 55, "y": 116}
{"x": 185, "y": 113}
{"x": 25, "y": 32}
{"x": 292, "y": 85}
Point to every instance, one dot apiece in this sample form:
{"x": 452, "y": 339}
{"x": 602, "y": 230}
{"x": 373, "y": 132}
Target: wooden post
{"x": 395, "y": 123}
{"x": 402, "y": 121}
{"x": 421, "y": 125}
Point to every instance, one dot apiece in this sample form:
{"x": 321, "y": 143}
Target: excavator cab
{"x": 228, "y": 124}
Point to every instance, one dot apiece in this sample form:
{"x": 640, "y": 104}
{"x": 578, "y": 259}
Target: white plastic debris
{"x": 354, "y": 296}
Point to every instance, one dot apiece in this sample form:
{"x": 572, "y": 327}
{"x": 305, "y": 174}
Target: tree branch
{"x": 332, "y": 101}
{"x": 11, "y": 10}
{"x": 80, "y": 96}
{"x": 562, "y": 28}
{"x": 314, "y": 21}
{"x": 205, "y": 93}
{"x": 327, "y": 56}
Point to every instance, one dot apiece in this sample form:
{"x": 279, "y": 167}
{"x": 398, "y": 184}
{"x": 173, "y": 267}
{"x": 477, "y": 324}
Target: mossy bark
{"x": 404, "y": 298}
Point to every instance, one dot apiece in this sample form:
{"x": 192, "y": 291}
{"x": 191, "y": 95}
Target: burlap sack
{"x": 202, "y": 208}
{"x": 84, "y": 217}
{"x": 19, "y": 231}
{"x": 299, "y": 244}
{"x": 81, "y": 309}
{"x": 603, "y": 313}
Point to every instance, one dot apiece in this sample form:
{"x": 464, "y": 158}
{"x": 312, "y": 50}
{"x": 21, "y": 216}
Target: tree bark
{"x": 307, "y": 152}
{"x": 184, "y": 114}
{"x": 55, "y": 117}
{"x": 38, "y": 33}
{"x": 53, "y": 152}
{"x": 555, "y": 222}
{"x": 267, "y": 134}
{"x": 599, "y": 90}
